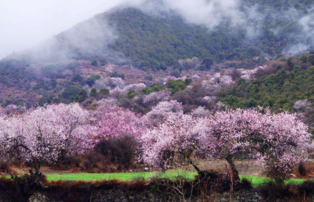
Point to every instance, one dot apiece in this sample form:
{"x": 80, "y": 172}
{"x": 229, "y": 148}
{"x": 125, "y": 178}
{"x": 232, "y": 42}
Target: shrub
{"x": 4, "y": 166}
{"x": 175, "y": 73}
{"x": 71, "y": 91}
{"x": 91, "y": 80}
{"x": 302, "y": 169}
{"x": 120, "y": 150}
{"x": 271, "y": 191}
{"x": 77, "y": 78}
{"x": 311, "y": 59}
{"x": 93, "y": 93}
{"x": 131, "y": 94}
{"x": 117, "y": 75}
{"x": 82, "y": 95}
{"x": 104, "y": 91}
{"x": 94, "y": 63}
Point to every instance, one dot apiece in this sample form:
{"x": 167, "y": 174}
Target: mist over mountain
{"x": 146, "y": 41}
{"x": 156, "y": 34}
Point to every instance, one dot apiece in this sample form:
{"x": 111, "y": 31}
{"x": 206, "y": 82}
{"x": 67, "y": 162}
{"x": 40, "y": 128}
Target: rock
{"x": 292, "y": 175}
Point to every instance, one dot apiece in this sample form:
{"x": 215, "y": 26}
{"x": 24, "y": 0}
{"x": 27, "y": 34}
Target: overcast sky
{"x": 25, "y": 23}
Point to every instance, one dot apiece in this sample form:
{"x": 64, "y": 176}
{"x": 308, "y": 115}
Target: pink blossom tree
{"x": 45, "y": 134}
{"x": 302, "y": 105}
{"x": 172, "y": 142}
{"x": 200, "y": 111}
{"x": 155, "y": 97}
{"x": 2, "y": 112}
{"x": 118, "y": 132}
{"x": 113, "y": 121}
{"x": 281, "y": 140}
{"x": 274, "y": 139}
{"x": 227, "y": 134}
{"x": 160, "y": 112}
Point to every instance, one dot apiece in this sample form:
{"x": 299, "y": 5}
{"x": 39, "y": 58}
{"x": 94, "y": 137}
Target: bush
{"x": 132, "y": 94}
{"x": 4, "y": 166}
{"x": 175, "y": 73}
{"x": 153, "y": 88}
{"x": 302, "y": 169}
{"x": 208, "y": 62}
{"x": 104, "y": 91}
{"x": 91, "y": 80}
{"x": 271, "y": 191}
{"x": 120, "y": 150}
{"x": 93, "y": 93}
{"x": 311, "y": 59}
{"x": 77, "y": 78}
{"x": 71, "y": 91}
{"x": 82, "y": 96}
{"x": 117, "y": 75}
{"x": 149, "y": 77}
{"x": 94, "y": 63}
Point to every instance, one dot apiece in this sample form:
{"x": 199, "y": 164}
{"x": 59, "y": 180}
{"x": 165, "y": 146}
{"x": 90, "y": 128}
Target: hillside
{"x": 157, "y": 41}
{"x": 145, "y": 48}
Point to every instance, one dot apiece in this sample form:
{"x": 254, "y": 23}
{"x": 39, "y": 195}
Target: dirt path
{"x": 245, "y": 167}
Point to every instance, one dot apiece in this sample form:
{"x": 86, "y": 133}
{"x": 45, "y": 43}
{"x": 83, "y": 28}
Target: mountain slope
{"x": 132, "y": 36}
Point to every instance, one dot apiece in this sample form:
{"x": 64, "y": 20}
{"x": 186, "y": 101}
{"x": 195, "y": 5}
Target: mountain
{"x": 141, "y": 46}
{"x": 157, "y": 41}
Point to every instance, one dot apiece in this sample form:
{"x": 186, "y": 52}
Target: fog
{"x": 26, "y": 23}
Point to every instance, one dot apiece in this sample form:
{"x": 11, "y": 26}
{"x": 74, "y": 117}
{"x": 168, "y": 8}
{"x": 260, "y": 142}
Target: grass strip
{"x": 171, "y": 174}
{"x": 120, "y": 176}
{"x": 260, "y": 181}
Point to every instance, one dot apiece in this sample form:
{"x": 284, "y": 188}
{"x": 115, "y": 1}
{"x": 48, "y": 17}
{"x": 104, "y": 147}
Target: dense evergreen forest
{"x": 279, "y": 90}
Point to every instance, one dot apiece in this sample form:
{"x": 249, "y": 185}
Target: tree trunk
{"x": 231, "y": 184}
{"x": 235, "y": 173}
{"x": 205, "y": 174}
{"x": 26, "y": 185}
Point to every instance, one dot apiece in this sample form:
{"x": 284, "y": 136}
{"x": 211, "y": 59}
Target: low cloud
{"x": 26, "y": 23}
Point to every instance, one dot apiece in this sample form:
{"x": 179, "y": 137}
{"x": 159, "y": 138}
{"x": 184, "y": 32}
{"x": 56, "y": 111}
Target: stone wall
{"x": 120, "y": 195}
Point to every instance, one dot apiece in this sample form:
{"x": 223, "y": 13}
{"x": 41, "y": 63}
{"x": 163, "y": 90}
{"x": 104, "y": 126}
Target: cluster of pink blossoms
{"x": 167, "y": 136}
{"x": 43, "y": 133}
{"x": 113, "y": 121}
{"x": 278, "y": 139}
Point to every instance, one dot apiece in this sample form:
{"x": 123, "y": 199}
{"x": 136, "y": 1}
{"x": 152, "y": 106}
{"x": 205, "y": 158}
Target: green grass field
{"x": 120, "y": 176}
{"x": 256, "y": 181}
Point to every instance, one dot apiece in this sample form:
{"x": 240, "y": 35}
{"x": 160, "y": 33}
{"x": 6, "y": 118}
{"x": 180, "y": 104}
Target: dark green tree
{"x": 93, "y": 93}
{"x": 132, "y": 94}
{"x": 82, "y": 96}
{"x": 311, "y": 59}
{"x": 208, "y": 62}
{"x": 104, "y": 91}
{"x": 77, "y": 78}
{"x": 91, "y": 80}
{"x": 94, "y": 63}
{"x": 71, "y": 92}
{"x": 175, "y": 73}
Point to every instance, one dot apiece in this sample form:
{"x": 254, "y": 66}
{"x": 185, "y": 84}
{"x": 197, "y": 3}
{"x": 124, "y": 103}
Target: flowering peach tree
{"x": 274, "y": 139}
{"x": 172, "y": 142}
{"x": 113, "y": 121}
{"x": 46, "y": 133}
